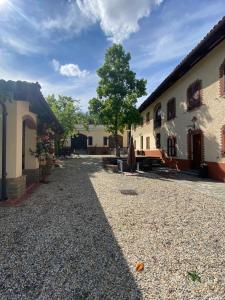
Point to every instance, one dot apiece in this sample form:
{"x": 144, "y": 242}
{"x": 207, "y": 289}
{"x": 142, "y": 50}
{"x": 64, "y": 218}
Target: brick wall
{"x": 16, "y": 186}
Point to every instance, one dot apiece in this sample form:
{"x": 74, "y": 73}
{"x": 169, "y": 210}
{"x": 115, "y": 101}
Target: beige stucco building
{"x": 22, "y": 113}
{"x": 184, "y": 118}
{"x": 96, "y": 140}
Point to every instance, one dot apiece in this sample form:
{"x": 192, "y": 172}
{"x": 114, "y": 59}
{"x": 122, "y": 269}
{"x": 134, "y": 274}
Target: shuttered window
{"x": 194, "y": 95}
{"x": 90, "y": 141}
{"x": 147, "y": 142}
{"x": 105, "y": 140}
{"x": 171, "y": 109}
{"x": 171, "y": 146}
{"x": 158, "y": 141}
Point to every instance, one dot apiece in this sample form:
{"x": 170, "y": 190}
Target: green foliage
{"x": 118, "y": 91}
{"x": 86, "y": 119}
{"x": 194, "y": 276}
{"x": 66, "y": 110}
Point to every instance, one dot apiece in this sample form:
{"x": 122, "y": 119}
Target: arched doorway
{"x": 28, "y": 124}
{"x": 195, "y": 148}
{"x": 30, "y": 165}
{"x": 79, "y": 142}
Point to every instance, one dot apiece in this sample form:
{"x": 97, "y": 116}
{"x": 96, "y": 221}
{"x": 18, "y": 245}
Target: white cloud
{"x": 18, "y": 45}
{"x": 70, "y": 20}
{"x": 118, "y": 18}
{"x": 82, "y": 89}
{"x": 72, "y": 70}
{"x": 69, "y": 70}
{"x": 55, "y": 64}
{"x": 171, "y": 40}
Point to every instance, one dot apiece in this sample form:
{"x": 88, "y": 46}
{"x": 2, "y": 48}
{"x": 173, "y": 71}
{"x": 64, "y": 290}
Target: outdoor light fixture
{"x": 194, "y": 121}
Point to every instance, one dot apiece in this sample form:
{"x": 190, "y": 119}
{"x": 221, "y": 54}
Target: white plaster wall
{"x": 97, "y": 133}
{"x": 16, "y": 111}
{"x": 211, "y": 115}
{"x": 31, "y": 162}
{"x": 0, "y": 141}
{"x": 13, "y": 142}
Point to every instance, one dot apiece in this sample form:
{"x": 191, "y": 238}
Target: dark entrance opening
{"x": 79, "y": 142}
{"x": 195, "y": 148}
{"x": 197, "y": 151}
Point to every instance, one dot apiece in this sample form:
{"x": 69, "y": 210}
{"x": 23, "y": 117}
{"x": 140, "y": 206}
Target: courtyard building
{"x": 96, "y": 140}
{"x": 25, "y": 112}
{"x": 184, "y": 118}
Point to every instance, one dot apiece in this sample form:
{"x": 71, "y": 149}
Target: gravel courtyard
{"x": 79, "y": 237}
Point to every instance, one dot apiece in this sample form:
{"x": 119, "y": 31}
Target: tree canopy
{"x": 66, "y": 109}
{"x": 118, "y": 91}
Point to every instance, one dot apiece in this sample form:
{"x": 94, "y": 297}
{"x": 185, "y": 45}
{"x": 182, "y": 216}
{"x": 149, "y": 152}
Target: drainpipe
{"x": 4, "y": 116}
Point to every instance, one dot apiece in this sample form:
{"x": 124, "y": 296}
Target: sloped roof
{"x": 210, "y": 41}
{"x": 31, "y": 92}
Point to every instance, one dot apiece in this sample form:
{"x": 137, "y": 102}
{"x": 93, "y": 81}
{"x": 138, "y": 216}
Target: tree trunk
{"x": 116, "y": 138}
{"x": 117, "y": 145}
{"x": 129, "y": 134}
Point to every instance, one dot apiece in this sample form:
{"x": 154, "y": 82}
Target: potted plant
{"x": 203, "y": 170}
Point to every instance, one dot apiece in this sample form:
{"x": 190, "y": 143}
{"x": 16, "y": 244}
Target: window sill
{"x": 194, "y": 108}
{"x": 171, "y": 118}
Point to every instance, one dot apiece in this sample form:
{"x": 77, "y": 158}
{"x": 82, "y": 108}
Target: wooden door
{"x": 79, "y": 142}
{"x": 197, "y": 151}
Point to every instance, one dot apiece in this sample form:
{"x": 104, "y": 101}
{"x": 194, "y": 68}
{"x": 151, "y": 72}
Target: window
{"x": 171, "y": 146}
{"x": 105, "y": 140}
{"x": 171, "y": 109}
{"x": 157, "y": 116}
{"x": 141, "y": 121}
{"x": 158, "y": 141}
{"x": 90, "y": 141}
{"x": 223, "y": 141}
{"x": 147, "y": 142}
{"x": 141, "y": 142}
{"x": 194, "y": 95}
{"x": 147, "y": 117}
{"x": 222, "y": 79}
{"x": 134, "y": 144}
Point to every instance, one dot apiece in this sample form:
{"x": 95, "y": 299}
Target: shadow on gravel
{"x": 64, "y": 247}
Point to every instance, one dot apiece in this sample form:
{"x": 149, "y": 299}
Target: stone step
{"x": 194, "y": 173}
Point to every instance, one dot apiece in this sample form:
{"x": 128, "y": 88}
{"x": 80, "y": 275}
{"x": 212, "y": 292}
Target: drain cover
{"x": 128, "y": 192}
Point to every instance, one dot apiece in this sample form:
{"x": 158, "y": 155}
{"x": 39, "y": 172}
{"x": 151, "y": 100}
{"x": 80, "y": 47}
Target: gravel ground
{"x": 79, "y": 238}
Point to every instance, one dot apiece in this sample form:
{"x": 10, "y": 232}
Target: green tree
{"x": 118, "y": 91}
{"x": 67, "y": 111}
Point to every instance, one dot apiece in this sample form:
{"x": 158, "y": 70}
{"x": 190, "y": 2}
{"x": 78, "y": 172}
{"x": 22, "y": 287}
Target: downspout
{"x": 4, "y": 117}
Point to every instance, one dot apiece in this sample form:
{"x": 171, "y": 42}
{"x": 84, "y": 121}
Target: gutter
{"x": 4, "y": 117}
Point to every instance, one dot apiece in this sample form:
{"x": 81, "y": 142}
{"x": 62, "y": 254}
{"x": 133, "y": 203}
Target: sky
{"x": 61, "y": 43}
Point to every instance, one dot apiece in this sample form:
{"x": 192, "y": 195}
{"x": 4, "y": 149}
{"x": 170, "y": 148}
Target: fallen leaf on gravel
{"x": 139, "y": 266}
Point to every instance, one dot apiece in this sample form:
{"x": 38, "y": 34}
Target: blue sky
{"x": 61, "y": 43}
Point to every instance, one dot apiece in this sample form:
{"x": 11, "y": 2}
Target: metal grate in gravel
{"x": 129, "y": 192}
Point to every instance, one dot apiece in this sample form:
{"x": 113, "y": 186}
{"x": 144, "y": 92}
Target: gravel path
{"x": 79, "y": 238}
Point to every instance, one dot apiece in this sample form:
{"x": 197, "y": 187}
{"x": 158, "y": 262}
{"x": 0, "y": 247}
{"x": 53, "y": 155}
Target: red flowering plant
{"x": 45, "y": 145}
{"x": 45, "y": 152}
